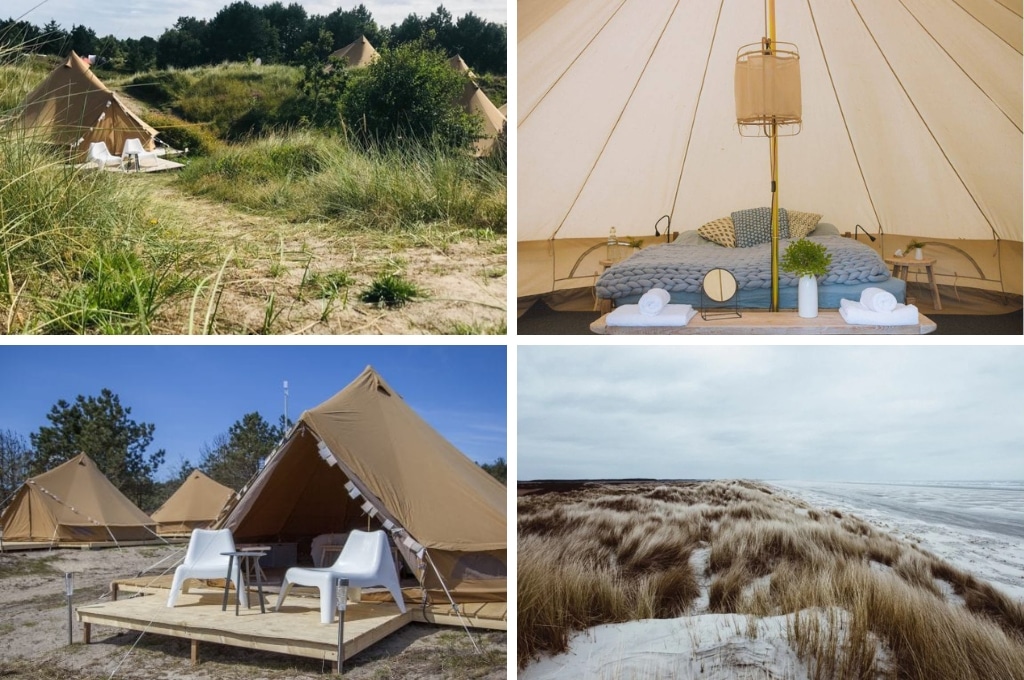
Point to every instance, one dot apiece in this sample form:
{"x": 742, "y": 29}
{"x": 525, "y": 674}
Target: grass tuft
{"x": 390, "y": 290}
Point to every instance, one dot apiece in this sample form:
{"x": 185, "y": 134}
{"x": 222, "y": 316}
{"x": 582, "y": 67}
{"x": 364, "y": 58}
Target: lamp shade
{"x": 768, "y": 87}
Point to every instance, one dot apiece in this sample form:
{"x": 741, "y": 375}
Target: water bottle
{"x": 612, "y": 240}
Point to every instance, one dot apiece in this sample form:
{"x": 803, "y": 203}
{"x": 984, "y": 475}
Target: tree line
{"x": 274, "y": 33}
{"x": 102, "y": 428}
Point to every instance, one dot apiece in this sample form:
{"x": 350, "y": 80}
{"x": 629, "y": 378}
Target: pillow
{"x": 754, "y": 226}
{"x": 801, "y": 223}
{"x": 720, "y": 231}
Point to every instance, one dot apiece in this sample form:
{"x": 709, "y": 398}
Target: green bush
{"x": 410, "y": 92}
{"x": 158, "y": 88}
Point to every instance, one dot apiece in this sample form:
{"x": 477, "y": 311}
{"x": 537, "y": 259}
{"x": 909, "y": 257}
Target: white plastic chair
{"x": 133, "y": 147}
{"x": 100, "y": 155}
{"x": 365, "y": 561}
{"x": 203, "y": 560}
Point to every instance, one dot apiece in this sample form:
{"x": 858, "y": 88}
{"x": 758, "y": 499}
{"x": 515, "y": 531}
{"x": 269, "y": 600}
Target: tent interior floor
{"x": 965, "y": 311}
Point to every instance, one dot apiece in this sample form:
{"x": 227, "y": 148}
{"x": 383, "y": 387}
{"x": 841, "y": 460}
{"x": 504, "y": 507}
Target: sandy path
{"x": 267, "y": 260}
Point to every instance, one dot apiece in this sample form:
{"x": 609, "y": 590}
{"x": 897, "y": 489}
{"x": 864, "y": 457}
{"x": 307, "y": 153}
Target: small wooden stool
{"x": 901, "y": 266}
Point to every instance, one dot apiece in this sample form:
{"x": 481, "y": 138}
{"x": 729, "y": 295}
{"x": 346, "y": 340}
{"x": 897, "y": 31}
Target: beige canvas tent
{"x": 474, "y": 101}
{"x": 460, "y": 65}
{"x": 74, "y": 502}
{"x": 195, "y": 505}
{"x": 911, "y": 127}
{"x": 358, "y": 53}
{"x": 364, "y": 459}
{"x": 73, "y": 108}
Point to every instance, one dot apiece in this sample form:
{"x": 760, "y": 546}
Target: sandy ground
{"x": 464, "y": 279}
{"x": 33, "y": 633}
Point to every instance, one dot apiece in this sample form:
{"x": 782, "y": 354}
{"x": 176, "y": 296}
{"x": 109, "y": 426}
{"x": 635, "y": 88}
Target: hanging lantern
{"x": 768, "y": 89}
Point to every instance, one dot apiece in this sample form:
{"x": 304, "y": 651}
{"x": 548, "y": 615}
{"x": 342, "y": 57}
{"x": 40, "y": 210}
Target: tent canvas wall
{"x": 359, "y": 53}
{"x": 476, "y": 102}
{"x": 911, "y": 126}
{"x": 73, "y": 107}
{"x": 441, "y": 508}
{"x": 74, "y": 502}
{"x": 196, "y": 504}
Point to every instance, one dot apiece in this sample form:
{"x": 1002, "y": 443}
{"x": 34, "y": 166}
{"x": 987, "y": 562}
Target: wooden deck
{"x": 488, "y": 615}
{"x": 760, "y": 322}
{"x": 296, "y": 630}
{"x": 14, "y": 546}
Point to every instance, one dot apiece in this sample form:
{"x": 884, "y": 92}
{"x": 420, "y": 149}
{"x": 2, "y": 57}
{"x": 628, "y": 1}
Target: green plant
{"x": 914, "y": 243}
{"x": 327, "y": 284}
{"x": 806, "y": 258}
{"x": 390, "y": 290}
{"x": 635, "y": 242}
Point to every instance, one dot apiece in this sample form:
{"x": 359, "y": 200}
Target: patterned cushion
{"x": 754, "y": 226}
{"x": 720, "y": 231}
{"x": 801, "y": 223}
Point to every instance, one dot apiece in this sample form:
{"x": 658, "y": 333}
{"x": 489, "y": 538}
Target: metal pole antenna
{"x": 341, "y": 594}
{"x": 286, "y": 404}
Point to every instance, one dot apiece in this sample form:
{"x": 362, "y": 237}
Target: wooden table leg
{"x": 935, "y": 288}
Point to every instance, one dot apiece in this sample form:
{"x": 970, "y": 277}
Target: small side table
{"x": 246, "y": 559}
{"x": 901, "y": 266}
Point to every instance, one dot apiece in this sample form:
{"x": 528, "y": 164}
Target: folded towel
{"x": 671, "y": 315}
{"x": 878, "y": 300}
{"x": 855, "y": 313}
{"x": 653, "y": 301}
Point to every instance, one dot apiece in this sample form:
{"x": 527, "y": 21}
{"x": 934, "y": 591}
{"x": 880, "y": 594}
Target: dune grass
{"x": 312, "y": 176}
{"x": 860, "y": 604}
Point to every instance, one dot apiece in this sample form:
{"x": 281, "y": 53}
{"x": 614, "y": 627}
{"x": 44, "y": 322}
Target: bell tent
{"x": 911, "y": 127}
{"x": 358, "y": 53}
{"x": 73, "y": 108}
{"x": 74, "y": 502}
{"x": 195, "y": 505}
{"x": 364, "y": 459}
{"x": 476, "y": 102}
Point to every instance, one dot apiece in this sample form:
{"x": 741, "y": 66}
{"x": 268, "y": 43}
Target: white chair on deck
{"x": 99, "y": 154}
{"x": 365, "y": 561}
{"x": 203, "y": 560}
{"x": 133, "y": 149}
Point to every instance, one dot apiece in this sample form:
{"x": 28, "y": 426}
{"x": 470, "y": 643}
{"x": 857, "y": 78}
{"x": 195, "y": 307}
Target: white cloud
{"x": 797, "y": 412}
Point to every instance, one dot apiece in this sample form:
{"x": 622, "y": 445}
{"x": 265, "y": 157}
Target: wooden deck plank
{"x": 296, "y": 630}
{"x": 760, "y": 322}
{"x": 488, "y": 615}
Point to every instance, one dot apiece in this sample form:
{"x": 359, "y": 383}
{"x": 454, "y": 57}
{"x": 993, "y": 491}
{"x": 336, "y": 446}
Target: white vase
{"x": 918, "y": 255}
{"x": 807, "y": 297}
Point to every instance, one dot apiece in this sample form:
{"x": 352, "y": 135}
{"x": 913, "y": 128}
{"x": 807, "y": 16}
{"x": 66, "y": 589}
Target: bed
{"x": 679, "y": 267}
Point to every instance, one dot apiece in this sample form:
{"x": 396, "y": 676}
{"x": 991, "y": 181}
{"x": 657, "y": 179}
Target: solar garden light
{"x": 69, "y": 590}
{"x": 342, "y": 600}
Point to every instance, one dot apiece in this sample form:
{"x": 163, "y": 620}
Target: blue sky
{"x": 815, "y": 413}
{"x": 193, "y": 393}
{"x": 137, "y": 18}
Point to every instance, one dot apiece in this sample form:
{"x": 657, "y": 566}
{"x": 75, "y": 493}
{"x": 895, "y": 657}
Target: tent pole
{"x": 774, "y": 151}
{"x": 451, "y": 600}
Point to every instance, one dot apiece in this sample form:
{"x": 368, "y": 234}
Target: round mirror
{"x": 719, "y": 285}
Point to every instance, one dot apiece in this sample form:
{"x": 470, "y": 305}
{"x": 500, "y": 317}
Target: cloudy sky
{"x": 193, "y": 393}
{"x": 136, "y": 18}
{"x": 837, "y": 413}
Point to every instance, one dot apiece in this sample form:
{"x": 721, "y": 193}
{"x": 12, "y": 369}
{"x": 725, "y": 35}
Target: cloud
{"x": 796, "y": 412}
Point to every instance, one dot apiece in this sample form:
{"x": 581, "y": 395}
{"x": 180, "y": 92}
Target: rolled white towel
{"x": 878, "y": 300}
{"x": 630, "y": 315}
{"x": 653, "y": 301}
{"x": 855, "y": 313}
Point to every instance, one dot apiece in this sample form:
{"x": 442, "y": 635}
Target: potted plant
{"x": 916, "y": 246}
{"x": 808, "y": 260}
{"x": 636, "y": 243}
